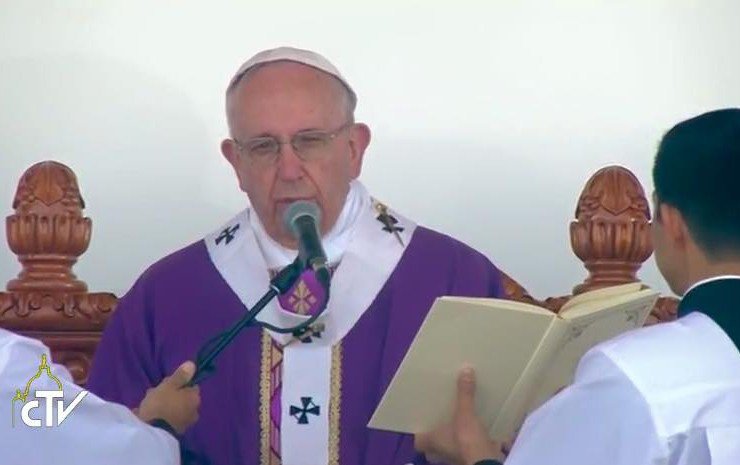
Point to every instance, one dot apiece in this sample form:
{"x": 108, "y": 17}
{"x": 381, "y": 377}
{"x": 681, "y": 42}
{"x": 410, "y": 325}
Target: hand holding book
{"x": 522, "y": 355}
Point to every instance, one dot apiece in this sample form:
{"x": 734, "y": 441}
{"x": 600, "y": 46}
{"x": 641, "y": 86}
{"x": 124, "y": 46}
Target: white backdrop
{"x": 488, "y": 117}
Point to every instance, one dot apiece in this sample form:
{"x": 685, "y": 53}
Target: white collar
{"x": 335, "y": 241}
{"x": 708, "y": 280}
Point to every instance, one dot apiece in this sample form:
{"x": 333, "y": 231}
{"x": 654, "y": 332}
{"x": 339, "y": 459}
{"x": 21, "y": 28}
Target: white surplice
{"x": 95, "y": 432}
{"x": 667, "y": 394}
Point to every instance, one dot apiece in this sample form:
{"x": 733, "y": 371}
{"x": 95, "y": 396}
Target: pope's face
{"x": 277, "y": 102}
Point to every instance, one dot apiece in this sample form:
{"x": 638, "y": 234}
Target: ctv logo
{"x": 50, "y": 398}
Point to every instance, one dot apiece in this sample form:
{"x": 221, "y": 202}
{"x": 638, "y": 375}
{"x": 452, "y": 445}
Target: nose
{"x": 290, "y": 166}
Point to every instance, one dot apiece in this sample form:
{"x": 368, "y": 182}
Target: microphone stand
{"x": 280, "y": 284}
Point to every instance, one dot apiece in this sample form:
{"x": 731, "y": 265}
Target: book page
{"x": 588, "y": 330}
{"x": 517, "y": 406}
{"x": 601, "y": 294}
{"x": 500, "y": 303}
{"x": 497, "y": 340}
{"x": 586, "y": 307}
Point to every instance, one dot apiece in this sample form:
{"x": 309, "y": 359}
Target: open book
{"x": 522, "y": 355}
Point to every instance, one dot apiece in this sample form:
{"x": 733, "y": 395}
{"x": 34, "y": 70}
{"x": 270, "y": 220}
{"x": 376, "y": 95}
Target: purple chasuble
{"x": 182, "y": 301}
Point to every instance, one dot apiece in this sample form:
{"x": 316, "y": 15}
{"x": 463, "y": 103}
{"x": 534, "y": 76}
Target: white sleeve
{"x": 95, "y": 431}
{"x": 600, "y": 419}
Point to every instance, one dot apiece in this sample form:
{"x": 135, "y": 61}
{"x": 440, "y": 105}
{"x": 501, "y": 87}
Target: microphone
{"x": 302, "y": 218}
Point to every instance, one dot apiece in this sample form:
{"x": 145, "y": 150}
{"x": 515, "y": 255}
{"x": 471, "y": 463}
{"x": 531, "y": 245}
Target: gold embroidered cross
{"x": 301, "y": 299}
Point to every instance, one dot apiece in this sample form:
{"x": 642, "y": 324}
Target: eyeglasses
{"x": 308, "y": 145}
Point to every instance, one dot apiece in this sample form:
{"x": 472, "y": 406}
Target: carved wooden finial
{"x": 611, "y": 231}
{"x": 48, "y": 231}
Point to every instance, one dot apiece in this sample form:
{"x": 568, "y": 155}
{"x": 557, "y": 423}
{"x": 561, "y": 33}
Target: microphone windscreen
{"x": 299, "y": 209}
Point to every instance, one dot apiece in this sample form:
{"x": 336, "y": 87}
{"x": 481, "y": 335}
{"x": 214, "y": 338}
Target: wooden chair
{"x": 48, "y": 232}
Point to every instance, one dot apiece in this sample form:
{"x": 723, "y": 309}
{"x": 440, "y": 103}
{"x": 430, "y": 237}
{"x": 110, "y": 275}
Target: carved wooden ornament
{"x": 48, "y": 233}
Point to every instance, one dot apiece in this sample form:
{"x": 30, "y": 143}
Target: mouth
{"x": 281, "y": 205}
{"x": 284, "y": 202}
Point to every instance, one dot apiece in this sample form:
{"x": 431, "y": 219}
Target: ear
{"x": 231, "y": 153}
{"x": 674, "y": 225}
{"x": 359, "y": 139}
